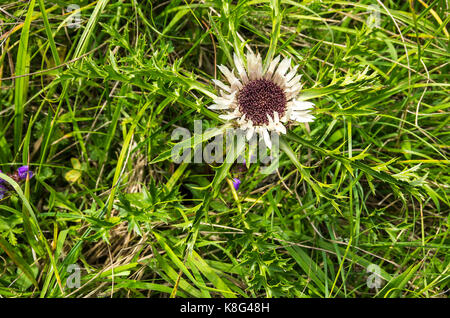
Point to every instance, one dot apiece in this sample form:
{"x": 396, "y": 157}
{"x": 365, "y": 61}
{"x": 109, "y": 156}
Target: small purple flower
{"x": 2, "y": 191}
{"x": 236, "y": 183}
{"x": 1, "y": 180}
{"x": 23, "y": 172}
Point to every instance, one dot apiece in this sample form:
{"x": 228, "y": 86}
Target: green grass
{"x": 92, "y": 110}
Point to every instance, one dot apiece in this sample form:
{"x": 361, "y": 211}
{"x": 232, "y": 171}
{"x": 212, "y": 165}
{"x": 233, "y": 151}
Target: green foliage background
{"x": 91, "y": 110}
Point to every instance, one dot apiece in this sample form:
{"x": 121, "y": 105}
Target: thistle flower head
{"x": 262, "y": 98}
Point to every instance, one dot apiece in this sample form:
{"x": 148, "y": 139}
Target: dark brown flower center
{"x": 259, "y": 98}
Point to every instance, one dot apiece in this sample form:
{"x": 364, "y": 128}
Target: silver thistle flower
{"x": 262, "y": 98}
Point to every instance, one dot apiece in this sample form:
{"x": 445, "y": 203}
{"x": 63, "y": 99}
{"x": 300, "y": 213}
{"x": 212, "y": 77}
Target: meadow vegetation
{"x": 90, "y": 95}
